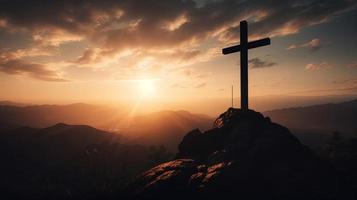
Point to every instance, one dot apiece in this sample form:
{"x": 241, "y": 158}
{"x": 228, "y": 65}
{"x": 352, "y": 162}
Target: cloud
{"x": 193, "y": 74}
{"x": 293, "y": 46}
{"x": 345, "y": 81}
{"x": 313, "y": 45}
{"x": 342, "y": 86}
{"x": 167, "y": 33}
{"x": 288, "y": 17}
{"x": 317, "y": 66}
{"x": 89, "y": 56}
{"x": 31, "y": 52}
{"x": 119, "y": 25}
{"x": 352, "y": 65}
{"x": 258, "y": 63}
{"x": 347, "y": 84}
{"x": 188, "y": 85}
{"x": 175, "y": 85}
{"x": 14, "y": 66}
{"x": 201, "y": 85}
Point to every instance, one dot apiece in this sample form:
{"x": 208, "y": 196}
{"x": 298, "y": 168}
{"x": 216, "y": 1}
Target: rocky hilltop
{"x": 244, "y": 156}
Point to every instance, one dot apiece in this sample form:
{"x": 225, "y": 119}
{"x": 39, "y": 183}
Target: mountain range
{"x": 163, "y": 127}
{"x": 168, "y": 127}
{"x": 325, "y": 117}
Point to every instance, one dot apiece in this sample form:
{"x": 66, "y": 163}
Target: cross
{"x": 243, "y": 49}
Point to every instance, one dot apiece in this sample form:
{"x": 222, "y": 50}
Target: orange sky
{"x": 168, "y": 54}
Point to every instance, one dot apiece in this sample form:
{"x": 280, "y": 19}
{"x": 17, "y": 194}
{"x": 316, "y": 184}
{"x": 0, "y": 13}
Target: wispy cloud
{"x": 313, "y": 45}
{"x": 292, "y": 46}
{"x": 346, "y": 84}
{"x": 34, "y": 70}
{"x": 317, "y": 66}
{"x": 9, "y": 64}
{"x": 169, "y": 32}
{"x": 119, "y": 25}
{"x": 201, "y": 85}
{"x": 255, "y": 63}
{"x": 352, "y": 65}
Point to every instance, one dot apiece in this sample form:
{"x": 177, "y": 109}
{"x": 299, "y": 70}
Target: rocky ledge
{"x": 244, "y": 156}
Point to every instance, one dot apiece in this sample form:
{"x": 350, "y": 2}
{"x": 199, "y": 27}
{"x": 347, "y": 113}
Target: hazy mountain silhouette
{"x": 311, "y": 124}
{"x": 11, "y": 103}
{"x": 69, "y": 161}
{"x": 165, "y": 127}
{"x": 40, "y": 116}
{"x": 325, "y": 117}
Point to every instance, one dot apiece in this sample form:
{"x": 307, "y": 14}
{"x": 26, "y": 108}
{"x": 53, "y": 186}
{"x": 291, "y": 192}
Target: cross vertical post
{"x": 243, "y": 49}
{"x": 244, "y": 65}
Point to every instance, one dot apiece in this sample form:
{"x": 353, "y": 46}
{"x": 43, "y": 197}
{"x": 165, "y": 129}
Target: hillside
{"x": 325, "y": 117}
{"x": 69, "y": 161}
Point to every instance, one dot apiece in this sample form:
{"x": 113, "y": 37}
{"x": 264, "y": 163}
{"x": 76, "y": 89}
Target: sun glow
{"x": 147, "y": 88}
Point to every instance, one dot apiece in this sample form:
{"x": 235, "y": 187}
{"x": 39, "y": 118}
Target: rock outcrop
{"x": 244, "y": 156}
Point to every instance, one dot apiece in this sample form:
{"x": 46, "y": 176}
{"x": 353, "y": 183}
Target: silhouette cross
{"x": 243, "y": 49}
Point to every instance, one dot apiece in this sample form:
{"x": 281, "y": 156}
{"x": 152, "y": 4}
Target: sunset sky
{"x": 168, "y": 52}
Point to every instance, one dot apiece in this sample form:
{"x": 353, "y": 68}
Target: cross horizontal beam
{"x": 251, "y": 45}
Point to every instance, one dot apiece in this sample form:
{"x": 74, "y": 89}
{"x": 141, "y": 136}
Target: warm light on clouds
{"x": 178, "y": 42}
{"x": 176, "y": 24}
{"x": 317, "y": 66}
{"x": 50, "y": 37}
{"x": 11, "y": 63}
{"x": 313, "y": 45}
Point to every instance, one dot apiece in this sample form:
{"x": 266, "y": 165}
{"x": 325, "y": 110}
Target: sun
{"x": 147, "y": 88}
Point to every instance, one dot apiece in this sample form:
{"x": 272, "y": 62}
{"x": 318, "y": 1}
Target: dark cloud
{"x": 167, "y": 32}
{"x": 15, "y": 66}
{"x": 286, "y": 17}
{"x": 259, "y": 63}
{"x": 121, "y": 24}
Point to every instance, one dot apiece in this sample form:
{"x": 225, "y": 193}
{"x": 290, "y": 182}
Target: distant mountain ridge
{"x": 325, "y": 117}
{"x": 41, "y": 116}
{"x": 11, "y": 103}
{"x": 167, "y": 127}
{"x": 163, "y": 127}
{"x": 71, "y": 139}
{"x": 37, "y": 162}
